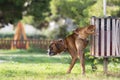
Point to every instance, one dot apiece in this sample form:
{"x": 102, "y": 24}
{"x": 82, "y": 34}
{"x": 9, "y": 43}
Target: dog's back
{"x": 70, "y": 42}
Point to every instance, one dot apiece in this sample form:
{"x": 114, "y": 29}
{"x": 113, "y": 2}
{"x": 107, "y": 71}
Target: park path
{"x": 1, "y": 61}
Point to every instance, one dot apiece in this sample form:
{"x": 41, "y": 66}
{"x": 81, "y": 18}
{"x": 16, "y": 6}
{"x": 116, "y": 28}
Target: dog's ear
{"x": 58, "y": 46}
{"x": 60, "y": 40}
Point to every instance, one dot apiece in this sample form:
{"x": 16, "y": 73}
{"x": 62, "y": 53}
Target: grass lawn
{"x": 28, "y": 65}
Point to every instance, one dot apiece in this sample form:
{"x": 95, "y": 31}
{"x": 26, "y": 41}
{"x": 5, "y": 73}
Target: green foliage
{"x": 39, "y": 9}
{"x": 57, "y": 33}
{"x": 11, "y": 9}
{"x": 78, "y": 10}
{"x": 28, "y": 19}
{"x": 73, "y": 9}
{"x": 113, "y": 2}
{"x": 114, "y": 7}
{"x": 62, "y": 32}
{"x": 36, "y": 50}
{"x": 7, "y": 35}
{"x": 95, "y": 10}
{"x": 82, "y": 10}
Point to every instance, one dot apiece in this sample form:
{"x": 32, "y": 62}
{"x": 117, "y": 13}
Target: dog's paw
{"x": 68, "y": 72}
{"x": 83, "y": 73}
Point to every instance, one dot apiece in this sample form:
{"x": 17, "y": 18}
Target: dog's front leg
{"x": 82, "y": 61}
{"x": 72, "y": 64}
{"x": 74, "y": 59}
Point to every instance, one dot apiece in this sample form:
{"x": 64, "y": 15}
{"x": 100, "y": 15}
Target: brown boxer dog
{"x": 74, "y": 44}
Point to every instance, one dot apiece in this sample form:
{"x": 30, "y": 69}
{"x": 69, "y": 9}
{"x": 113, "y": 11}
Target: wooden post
{"x": 104, "y": 7}
{"x": 105, "y": 63}
{"x": 19, "y": 35}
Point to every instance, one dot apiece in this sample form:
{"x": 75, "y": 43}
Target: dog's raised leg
{"x": 82, "y": 61}
{"x": 74, "y": 59}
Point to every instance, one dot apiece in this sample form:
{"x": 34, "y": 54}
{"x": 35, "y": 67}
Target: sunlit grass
{"x": 39, "y": 66}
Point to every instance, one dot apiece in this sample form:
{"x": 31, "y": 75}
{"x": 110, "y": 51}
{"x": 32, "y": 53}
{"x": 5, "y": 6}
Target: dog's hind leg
{"x": 82, "y": 61}
{"x": 73, "y": 61}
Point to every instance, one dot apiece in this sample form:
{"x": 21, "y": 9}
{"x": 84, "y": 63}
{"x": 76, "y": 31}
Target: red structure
{"x": 19, "y": 37}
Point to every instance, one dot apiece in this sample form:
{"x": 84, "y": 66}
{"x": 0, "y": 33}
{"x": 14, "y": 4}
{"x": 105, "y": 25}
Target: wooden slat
{"x": 118, "y": 41}
{"x": 97, "y": 38}
{"x": 113, "y": 37}
{"x": 107, "y": 44}
{"x": 119, "y": 38}
{"x": 116, "y": 37}
{"x": 102, "y": 37}
{"x": 108, "y": 37}
{"x": 92, "y": 38}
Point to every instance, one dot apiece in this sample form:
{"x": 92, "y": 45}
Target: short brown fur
{"x": 74, "y": 44}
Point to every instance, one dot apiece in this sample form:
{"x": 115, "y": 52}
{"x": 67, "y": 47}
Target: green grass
{"x": 30, "y": 65}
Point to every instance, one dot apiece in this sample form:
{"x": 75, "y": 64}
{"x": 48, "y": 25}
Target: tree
{"x": 12, "y": 10}
{"x": 73, "y": 9}
{"x": 39, "y": 9}
{"x": 115, "y": 7}
{"x": 82, "y": 10}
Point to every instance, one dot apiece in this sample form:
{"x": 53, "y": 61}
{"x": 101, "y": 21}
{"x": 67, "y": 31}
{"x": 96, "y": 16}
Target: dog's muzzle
{"x": 50, "y": 53}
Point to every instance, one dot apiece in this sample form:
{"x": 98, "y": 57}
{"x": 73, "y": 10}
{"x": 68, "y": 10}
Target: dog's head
{"x": 90, "y": 29}
{"x": 56, "y": 47}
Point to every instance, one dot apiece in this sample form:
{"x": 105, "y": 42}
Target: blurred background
{"x": 28, "y": 26}
{"x": 51, "y": 19}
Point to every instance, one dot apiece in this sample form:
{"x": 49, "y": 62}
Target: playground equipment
{"x": 107, "y": 43}
{"x": 19, "y": 37}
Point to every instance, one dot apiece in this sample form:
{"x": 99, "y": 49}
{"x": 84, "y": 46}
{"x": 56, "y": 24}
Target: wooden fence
{"x": 107, "y": 42}
{"x": 36, "y": 43}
